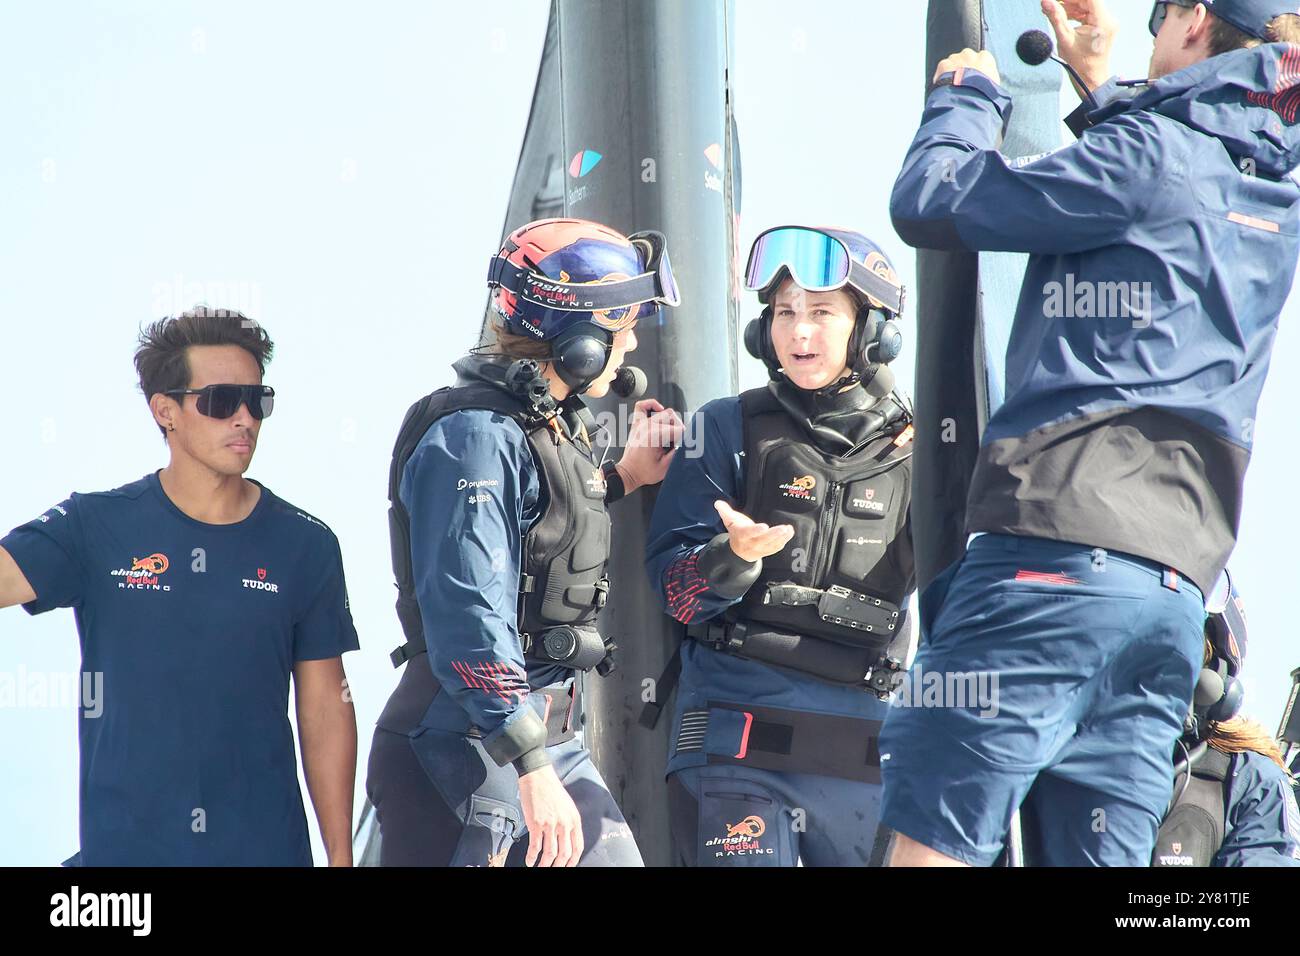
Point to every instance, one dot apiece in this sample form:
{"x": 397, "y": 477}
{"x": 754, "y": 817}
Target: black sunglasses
{"x": 222, "y": 401}
{"x": 1160, "y": 10}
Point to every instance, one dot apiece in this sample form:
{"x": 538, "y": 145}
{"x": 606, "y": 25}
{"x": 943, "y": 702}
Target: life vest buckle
{"x": 885, "y": 677}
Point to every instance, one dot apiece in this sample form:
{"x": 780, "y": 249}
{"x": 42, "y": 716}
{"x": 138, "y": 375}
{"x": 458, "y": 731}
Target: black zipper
{"x": 828, "y": 520}
{"x": 824, "y": 526}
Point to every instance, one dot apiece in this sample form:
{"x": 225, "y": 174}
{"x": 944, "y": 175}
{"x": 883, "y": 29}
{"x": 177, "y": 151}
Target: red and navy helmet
{"x": 542, "y": 268}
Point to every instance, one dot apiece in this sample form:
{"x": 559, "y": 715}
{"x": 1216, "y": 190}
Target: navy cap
{"x": 1250, "y": 16}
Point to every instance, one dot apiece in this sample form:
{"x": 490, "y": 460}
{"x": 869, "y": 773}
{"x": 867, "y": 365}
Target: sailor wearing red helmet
{"x": 500, "y": 541}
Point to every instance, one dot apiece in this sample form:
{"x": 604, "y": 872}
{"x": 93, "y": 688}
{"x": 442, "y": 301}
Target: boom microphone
{"x": 1034, "y": 47}
{"x": 629, "y": 382}
{"x": 881, "y": 384}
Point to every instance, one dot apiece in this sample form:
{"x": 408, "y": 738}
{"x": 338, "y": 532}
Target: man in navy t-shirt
{"x": 197, "y": 593}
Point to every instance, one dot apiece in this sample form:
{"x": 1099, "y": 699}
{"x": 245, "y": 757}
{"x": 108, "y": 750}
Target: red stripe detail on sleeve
{"x": 503, "y": 678}
{"x": 682, "y": 587}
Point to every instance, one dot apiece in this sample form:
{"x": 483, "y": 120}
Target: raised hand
{"x": 749, "y": 539}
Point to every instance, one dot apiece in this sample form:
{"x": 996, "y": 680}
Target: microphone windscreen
{"x": 881, "y": 384}
{"x": 1034, "y": 47}
{"x": 1209, "y": 689}
{"x": 629, "y": 382}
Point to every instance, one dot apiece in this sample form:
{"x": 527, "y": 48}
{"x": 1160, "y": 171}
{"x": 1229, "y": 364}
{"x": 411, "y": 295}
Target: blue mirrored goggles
{"x": 818, "y": 262}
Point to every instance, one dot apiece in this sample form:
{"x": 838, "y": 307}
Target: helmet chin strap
{"x": 841, "y": 383}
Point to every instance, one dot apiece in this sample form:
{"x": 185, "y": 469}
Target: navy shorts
{"x": 726, "y": 815}
{"x": 1086, "y": 660}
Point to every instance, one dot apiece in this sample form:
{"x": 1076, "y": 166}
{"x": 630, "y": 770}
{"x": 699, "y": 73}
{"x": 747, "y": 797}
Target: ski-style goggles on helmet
{"x": 222, "y": 401}
{"x": 817, "y": 261}
{"x": 1219, "y": 596}
{"x": 656, "y": 284}
{"x": 1226, "y": 622}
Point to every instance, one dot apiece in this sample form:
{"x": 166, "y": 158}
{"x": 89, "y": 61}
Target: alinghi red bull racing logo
{"x": 742, "y": 839}
{"x": 144, "y": 574}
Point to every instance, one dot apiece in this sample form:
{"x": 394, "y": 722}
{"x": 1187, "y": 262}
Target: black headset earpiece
{"x": 1229, "y": 705}
{"x": 754, "y": 337}
{"x": 581, "y": 355}
{"x": 889, "y": 341}
{"x": 758, "y": 341}
{"x": 1218, "y": 697}
{"x": 865, "y": 326}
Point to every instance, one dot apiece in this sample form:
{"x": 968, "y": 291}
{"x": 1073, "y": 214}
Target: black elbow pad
{"x": 729, "y": 575}
{"x": 523, "y": 743}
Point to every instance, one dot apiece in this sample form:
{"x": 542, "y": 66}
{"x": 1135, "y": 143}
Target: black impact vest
{"x": 562, "y": 579}
{"x": 1192, "y": 832}
{"x": 830, "y": 603}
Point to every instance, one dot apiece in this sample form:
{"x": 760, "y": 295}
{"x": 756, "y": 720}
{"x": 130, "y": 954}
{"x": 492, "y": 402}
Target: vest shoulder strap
{"x": 1193, "y": 830}
{"x": 419, "y": 418}
{"x": 753, "y": 403}
{"x": 1213, "y": 765}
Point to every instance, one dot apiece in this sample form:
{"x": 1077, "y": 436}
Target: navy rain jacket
{"x": 1162, "y": 247}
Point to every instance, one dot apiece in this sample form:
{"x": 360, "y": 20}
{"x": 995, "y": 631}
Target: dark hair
{"x": 501, "y": 341}
{"x": 1224, "y": 37}
{"x": 162, "y": 359}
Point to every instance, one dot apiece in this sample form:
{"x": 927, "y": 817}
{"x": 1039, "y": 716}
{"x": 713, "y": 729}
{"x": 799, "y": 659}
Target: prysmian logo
{"x": 103, "y": 909}
{"x": 1085, "y": 299}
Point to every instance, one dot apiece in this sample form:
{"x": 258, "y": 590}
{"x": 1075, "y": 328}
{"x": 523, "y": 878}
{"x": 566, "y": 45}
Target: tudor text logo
{"x": 260, "y": 583}
{"x": 868, "y": 501}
